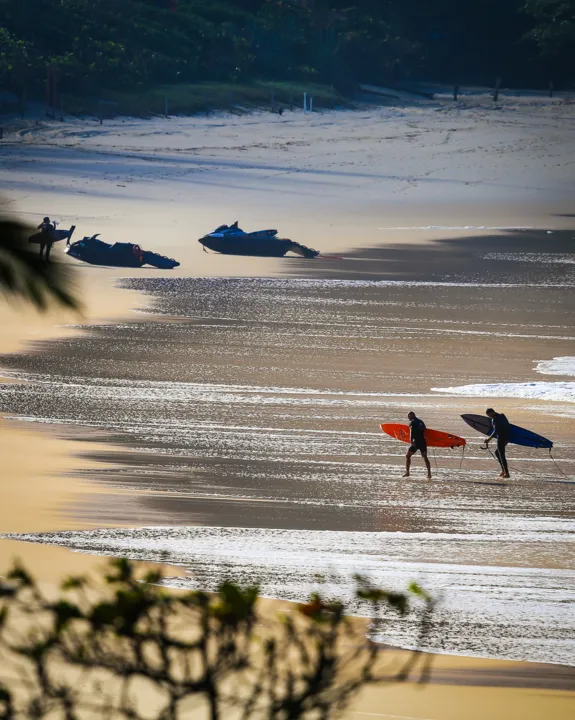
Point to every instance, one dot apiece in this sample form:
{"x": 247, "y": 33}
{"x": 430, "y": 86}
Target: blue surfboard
{"x": 517, "y": 435}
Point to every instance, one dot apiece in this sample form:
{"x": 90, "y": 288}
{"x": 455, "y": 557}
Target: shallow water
{"x": 249, "y": 418}
{"x": 481, "y": 607}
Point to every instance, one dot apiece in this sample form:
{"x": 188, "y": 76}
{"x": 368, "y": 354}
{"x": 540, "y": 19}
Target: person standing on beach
{"x": 46, "y": 228}
{"x": 500, "y": 430}
{"x": 417, "y": 433}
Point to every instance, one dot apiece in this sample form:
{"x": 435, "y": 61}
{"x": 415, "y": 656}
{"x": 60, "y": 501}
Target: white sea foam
{"x": 557, "y": 366}
{"x": 556, "y": 391}
{"x": 521, "y": 612}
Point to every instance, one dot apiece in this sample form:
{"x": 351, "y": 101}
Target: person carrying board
{"x": 417, "y": 433}
{"x": 500, "y": 431}
{"x": 46, "y": 228}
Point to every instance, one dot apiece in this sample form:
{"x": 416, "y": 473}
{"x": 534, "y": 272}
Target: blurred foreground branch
{"x": 25, "y": 275}
{"x": 136, "y": 650}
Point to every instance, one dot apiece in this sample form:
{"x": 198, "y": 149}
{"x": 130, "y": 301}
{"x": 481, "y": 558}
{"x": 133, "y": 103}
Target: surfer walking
{"x": 417, "y": 435}
{"x": 500, "y": 431}
{"x": 46, "y": 228}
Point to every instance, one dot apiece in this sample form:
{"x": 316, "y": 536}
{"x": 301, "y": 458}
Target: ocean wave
{"x": 556, "y": 391}
{"x": 557, "y": 366}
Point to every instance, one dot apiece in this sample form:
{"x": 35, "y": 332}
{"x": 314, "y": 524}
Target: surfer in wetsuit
{"x": 46, "y": 228}
{"x": 500, "y": 431}
{"x": 417, "y": 430}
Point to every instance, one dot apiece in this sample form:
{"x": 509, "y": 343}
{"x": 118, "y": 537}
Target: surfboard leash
{"x": 536, "y": 475}
{"x": 524, "y": 472}
{"x": 558, "y": 468}
{"x": 486, "y": 447}
{"x": 434, "y": 458}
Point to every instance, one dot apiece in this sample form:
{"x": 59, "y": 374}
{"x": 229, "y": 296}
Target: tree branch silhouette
{"x": 102, "y": 652}
{"x": 26, "y": 276}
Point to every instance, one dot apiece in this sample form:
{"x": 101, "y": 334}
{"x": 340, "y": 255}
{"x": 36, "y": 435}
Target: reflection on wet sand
{"x": 256, "y": 408}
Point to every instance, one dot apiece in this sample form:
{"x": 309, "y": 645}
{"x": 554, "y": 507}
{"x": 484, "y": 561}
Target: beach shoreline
{"x": 487, "y": 688}
{"x": 149, "y": 168}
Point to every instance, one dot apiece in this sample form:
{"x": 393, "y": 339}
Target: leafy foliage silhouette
{"x": 132, "y": 649}
{"x": 25, "y": 275}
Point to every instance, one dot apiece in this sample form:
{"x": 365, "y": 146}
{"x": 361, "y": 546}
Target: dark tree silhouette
{"x": 120, "y": 45}
{"x": 140, "y": 652}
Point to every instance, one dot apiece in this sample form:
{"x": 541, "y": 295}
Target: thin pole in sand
{"x": 455, "y": 92}
{"x": 305, "y": 102}
{"x": 311, "y": 104}
{"x": 48, "y": 93}
{"x": 54, "y": 91}
{"x": 496, "y": 89}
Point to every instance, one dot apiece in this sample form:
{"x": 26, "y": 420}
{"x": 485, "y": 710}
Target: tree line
{"x": 130, "y": 44}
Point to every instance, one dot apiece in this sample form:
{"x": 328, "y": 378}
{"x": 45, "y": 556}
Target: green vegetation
{"x": 91, "y": 48}
{"x": 132, "y": 44}
{"x": 141, "y": 652}
{"x": 554, "y": 31}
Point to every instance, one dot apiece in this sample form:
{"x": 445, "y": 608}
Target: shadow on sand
{"x": 524, "y": 257}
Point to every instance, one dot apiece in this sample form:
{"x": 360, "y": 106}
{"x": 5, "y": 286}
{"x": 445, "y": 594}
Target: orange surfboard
{"x": 434, "y": 438}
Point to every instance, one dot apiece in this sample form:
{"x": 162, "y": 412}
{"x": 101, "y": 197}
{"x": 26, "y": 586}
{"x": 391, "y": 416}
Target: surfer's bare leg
{"x": 427, "y": 463}
{"x": 408, "y": 456}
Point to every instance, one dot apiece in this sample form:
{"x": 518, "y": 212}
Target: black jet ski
{"x": 97, "y": 252}
{"x": 232, "y": 240}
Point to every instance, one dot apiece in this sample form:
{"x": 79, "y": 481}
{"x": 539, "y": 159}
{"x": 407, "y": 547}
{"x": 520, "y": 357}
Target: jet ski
{"x": 232, "y": 240}
{"x": 97, "y": 252}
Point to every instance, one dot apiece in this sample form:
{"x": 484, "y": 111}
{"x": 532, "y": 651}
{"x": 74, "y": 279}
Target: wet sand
{"x": 229, "y": 412}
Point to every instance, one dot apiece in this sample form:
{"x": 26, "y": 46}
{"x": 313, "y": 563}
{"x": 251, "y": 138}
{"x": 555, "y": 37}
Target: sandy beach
{"x": 227, "y": 411}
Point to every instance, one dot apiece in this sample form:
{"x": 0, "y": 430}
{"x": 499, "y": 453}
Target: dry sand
{"x": 36, "y": 486}
{"x": 335, "y": 181}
